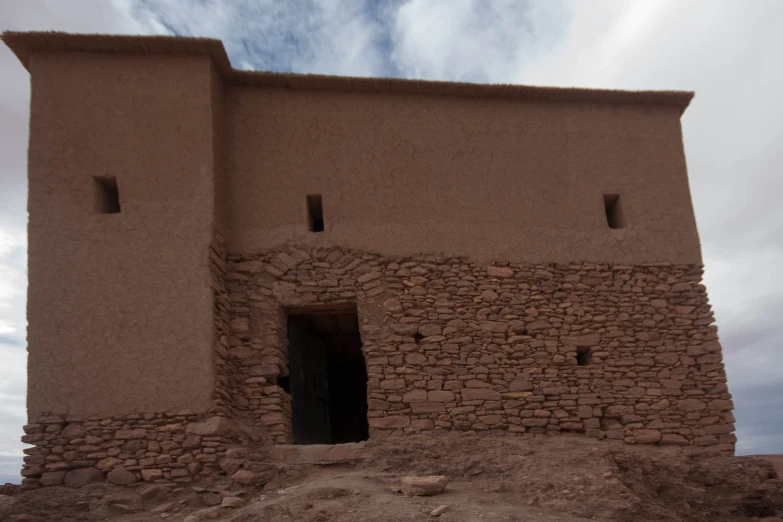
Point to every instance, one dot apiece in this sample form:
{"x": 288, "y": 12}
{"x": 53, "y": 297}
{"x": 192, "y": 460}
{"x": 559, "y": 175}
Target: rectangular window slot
{"x": 614, "y": 211}
{"x": 106, "y": 195}
{"x": 583, "y": 356}
{"x": 315, "y": 213}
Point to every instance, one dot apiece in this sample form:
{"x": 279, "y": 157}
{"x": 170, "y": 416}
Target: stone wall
{"x": 622, "y": 352}
{"x": 619, "y": 352}
{"x": 123, "y": 449}
{"x": 224, "y": 366}
{"x": 258, "y": 357}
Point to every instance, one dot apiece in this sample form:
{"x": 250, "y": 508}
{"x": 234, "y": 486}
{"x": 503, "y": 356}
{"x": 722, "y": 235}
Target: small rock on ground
{"x": 77, "y": 478}
{"x": 232, "y": 502}
{"x": 423, "y": 486}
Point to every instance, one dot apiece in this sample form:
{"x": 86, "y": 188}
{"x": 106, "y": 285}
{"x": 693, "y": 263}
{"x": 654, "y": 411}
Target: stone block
{"x": 647, "y": 436}
{"x": 130, "y": 434}
{"x": 232, "y": 502}
{"x": 415, "y": 396}
{"x": 494, "y": 326}
{"x": 108, "y": 463}
{"x": 673, "y": 439}
{"x": 121, "y": 475}
{"x": 582, "y": 341}
{"x": 52, "y": 478}
{"x": 246, "y": 478}
{"x": 74, "y": 431}
{"x": 501, "y": 272}
{"x": 440, "y": 396}
{"x": 427, "y": 407}
{"x": 390, "y": 422}
{"x": 721, "y": 405}
{"x": 691, "y": 405}
{"x": 230, "y": 466}
{"x": 520, "y": 385}
{"x": 81, "y": 477}
{"x": 486, "y": 394}
{"x": 423, "y": 486}
{"x": 151, "y": 475}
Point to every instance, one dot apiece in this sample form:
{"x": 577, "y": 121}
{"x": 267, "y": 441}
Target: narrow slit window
{"x": 614, "y": 211}
{"x": 584, "y": 356}
{"x": 315, "y": 213}
{"x": 107, "y": 195}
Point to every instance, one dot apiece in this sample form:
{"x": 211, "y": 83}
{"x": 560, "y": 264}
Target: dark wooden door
{"x": 309, "y": 384}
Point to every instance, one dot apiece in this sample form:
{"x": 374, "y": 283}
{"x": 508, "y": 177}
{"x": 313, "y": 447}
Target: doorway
{"x": 327, "y": 378}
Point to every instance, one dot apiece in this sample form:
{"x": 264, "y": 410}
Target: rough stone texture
{"x": 246, "y": 478}
{"x": 121, "y": 475}
{"x": 52, "y": 478}
{"x": 508, "y": 363}
{"x": 316, "y": 453}
{"x": 423, "y": 486}
{"x": 150, "y": 446}
{"x": 81, "y": 477}
{"x": 232, "y": 502}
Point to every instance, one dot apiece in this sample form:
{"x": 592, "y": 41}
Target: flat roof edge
{"x": 24, "y": 44}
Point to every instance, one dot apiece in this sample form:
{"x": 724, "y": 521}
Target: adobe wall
{"x": 120, "y": 305}
{"x": 490, "y": 179}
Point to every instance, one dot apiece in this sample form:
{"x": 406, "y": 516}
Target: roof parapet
{"x": 24, "y": 44}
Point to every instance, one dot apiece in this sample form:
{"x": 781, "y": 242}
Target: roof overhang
{"x": 24, "y": 44}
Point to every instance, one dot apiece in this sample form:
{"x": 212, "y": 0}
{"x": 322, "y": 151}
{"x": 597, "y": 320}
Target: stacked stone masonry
{"x": 619, "y": 352}
{"x": 452, "y": 344}
{"x": 220, "y": 311}
{"x": 123, "y": 449}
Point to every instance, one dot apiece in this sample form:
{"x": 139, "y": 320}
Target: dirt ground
{"x": 491, "y": 478}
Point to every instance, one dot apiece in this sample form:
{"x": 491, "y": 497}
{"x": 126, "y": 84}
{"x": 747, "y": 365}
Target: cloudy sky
{"x": 726, "y": 51}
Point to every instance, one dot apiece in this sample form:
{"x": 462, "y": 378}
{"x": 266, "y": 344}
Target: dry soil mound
{"x": 503, "y": 478}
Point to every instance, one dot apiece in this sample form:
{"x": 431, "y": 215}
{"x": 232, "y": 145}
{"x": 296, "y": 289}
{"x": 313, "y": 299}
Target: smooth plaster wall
{"x": 491, "y": 179}
{"x": 120, "y": 305}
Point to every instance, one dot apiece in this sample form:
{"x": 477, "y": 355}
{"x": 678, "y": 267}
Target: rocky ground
{"x": 546, "y": 479}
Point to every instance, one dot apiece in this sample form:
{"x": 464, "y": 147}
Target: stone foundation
{"x": 618, "y": 352}
{"x": 126, "y": 448}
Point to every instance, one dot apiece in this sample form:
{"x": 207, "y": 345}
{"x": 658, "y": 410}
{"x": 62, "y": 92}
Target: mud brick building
{"x": 223, "y": 259}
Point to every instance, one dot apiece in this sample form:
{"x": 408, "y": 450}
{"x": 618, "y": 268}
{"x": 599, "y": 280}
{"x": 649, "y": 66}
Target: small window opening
{"x": 583, "y": 356}
{"x": 417, "y": 337}
{"x": 614, "y": 212}
{"x": 107, "y": 195}
{"x": 283, "y": 383}
{"x": 315, "y": 213}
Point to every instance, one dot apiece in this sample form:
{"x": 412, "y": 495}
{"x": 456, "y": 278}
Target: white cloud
{"x": 467, "y": 40}
{"x": 328, "y": 37}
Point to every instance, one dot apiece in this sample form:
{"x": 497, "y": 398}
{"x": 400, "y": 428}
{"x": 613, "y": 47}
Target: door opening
{"x": 327, "y": 378}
